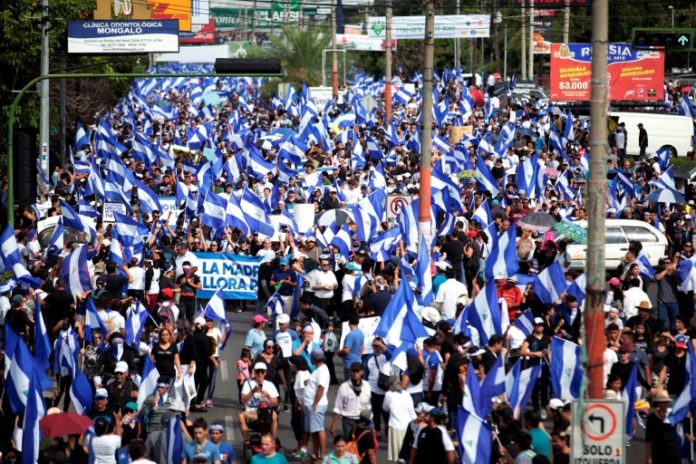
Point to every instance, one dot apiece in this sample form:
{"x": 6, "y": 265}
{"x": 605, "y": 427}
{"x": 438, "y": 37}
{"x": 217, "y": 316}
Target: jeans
{"x": 378, "y": 414}
{"x": 212, "y": 376}
{"x": 667, "y": 312}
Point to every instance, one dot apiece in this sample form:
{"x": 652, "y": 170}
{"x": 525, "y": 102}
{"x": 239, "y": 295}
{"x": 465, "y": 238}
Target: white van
{"x": 668, "y": 130}
{"x": 618, "y": 233}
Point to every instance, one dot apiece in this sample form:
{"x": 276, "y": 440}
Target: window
{"x": 615, "y": 236}
{"x": 640, "y": 234}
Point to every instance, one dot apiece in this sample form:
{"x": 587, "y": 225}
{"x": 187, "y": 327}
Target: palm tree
{"x": 300, "y": 53}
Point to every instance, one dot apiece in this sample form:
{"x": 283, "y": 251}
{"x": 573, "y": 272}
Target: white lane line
{"x": 229, "y": 427}
{"x": 224, "y": 376}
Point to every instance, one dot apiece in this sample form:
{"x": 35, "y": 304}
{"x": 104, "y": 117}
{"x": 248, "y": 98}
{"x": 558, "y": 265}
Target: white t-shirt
{"x": 610, "y": 358}
{"x": 180, "y": 260}
{"x": 320, "y": 377}
{"x": 399, "y": 405}
{"x": 322, "y": 278}
{"x": 112, "y": 320}
{"x": 104, "y": 448}
{"x": 374, "y": 371}
{"x": 448, "y": 294}
{"x": 137, "y": 274}
{"x": 348, "y": 286}
{"x": 284, "y": 341}
{"x": 253, "y": 403}
{"x": 301, "y": 379}
{"x": 433, "y": 361}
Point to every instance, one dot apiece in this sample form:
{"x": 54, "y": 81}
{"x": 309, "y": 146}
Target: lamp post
{"x": 671, "y": 9}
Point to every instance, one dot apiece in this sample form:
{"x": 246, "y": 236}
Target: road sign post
{"x": 600, "y": 434}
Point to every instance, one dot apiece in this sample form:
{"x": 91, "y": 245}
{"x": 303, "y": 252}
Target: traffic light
{"x": 270, "y": 66}
{"x": 675, "y": 39}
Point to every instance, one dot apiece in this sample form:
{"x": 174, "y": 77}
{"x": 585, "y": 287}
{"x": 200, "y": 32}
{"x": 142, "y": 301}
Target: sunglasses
{"x": 259, "y": 371}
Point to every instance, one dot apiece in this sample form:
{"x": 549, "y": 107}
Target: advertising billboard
{"x": 179, "y": 10}
{"x": 123, "y": 37}
{"x": 446, "y": 27}
{"x": 632, "y": 74}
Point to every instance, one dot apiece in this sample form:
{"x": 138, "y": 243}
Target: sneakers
{"x": 209, "y": 404}
{"x": 299, "y": 454}
{"x": 544, "y": 414}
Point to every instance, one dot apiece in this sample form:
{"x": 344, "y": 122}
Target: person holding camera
{"x": 189, "y": 283}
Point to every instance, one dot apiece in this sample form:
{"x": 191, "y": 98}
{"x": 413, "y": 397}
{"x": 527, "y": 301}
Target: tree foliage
{"x": 300, "y": 52}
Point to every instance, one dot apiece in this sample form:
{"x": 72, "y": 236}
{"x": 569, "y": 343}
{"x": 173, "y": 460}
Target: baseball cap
{"x": 199, "y": 321}
{"x": 538, "y": 321}
{"x": 424, "y": 407}
{"x": 283, "y": 319}
{"x": 555, "y": 403}
{"x": 167, "y": 293}
{"x": 121, "y": 366}
{"x": 259, "y": 366}
{"x": 258, "y": 319}
{"x": 681, "y": 341}
{"x": 101, "y": 393}
{"x": 624, "y": 349}
{"x": 284, "y": 262}
{"x": 356, "y": 366}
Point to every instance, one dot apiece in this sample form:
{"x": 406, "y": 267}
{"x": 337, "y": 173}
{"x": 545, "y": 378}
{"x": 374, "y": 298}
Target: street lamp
{"x": 671, "y": 8}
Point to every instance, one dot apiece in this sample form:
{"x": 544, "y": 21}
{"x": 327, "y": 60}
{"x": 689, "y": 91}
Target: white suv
{"x": 618, "y": 233}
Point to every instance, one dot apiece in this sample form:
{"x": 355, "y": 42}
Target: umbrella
{"x": 571, "y": 231}
{"x": 665, "y": 195}
{"x": 538, "y": 221}
{"x": 64, "y": 423}
{"x": 334, "y": 216}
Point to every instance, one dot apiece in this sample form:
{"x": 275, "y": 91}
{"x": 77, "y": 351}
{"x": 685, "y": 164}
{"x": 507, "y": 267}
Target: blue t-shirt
{"x": 275, "y": 459}
{"x": 354, "y": 342}
{"x": 226, "y": 453}
{"x": 254, "y": 340}
{"x": 209, "y": 448}
{"x": 285, "y": 289}
{"x": 305, "y": 353}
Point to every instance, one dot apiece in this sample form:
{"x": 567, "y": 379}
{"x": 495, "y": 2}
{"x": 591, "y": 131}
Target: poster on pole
{"x": 237, "y": 275}
{"x": 122, "y": 37}
{"x": 636, "y": 75}
{"x": 446, "y": 27}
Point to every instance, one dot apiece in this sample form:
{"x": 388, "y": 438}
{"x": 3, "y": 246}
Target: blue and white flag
{"x": 148, "y": 381}
{"x": 42, "y": 346}
{"x": 568, "y": 135}
{"x": 19, "y": 365}
{"x": 402, "y": 96}
{"x": 566, "y": 371}
{"x": 424, "y": 273}
{"x": 493, "y": 383}
{"x": 686, "y": 108}
{"x": 55, "y": 245}
{"x": 383, "y": 245}
{"x": 215, "y": 309}
{"x": 629, "y": 397}
{"x": 502, "y": 261}
{"x": 135, "y": 324}
{"x": 483, "y": 215}
{"x": 234, "y": 216}
{"x": 526, "y": 176}
{"x": 484, "y": 312}
{"x": 519, "y": 384}
{"x": 75, "y": 271}
{"x": 92, "y": 320}
{"x": 555, "y": 142}
{"x": 687, "y": 398}
{"x": 255, "y": 214}
{"x": 75, "y": 221}
{"x": 81, "y": 392}
{"x": 475, "y": 438}
{"x": 663, "y": 155}
{"x": 275, "y": 305}
{"x": 577, "y": 288}
{"x": 11, "y": 259}
{"x": 174, "y": 441}
{"x": 214, "y": 211}
{"x": 550, "y": 283}
{"x": 646, "y": 269}
{"x": 399, "y": 322}
{"x": 35, "y": 410}
{"x": 473, "y": 399}
{"x": 485, "y": 179}
{"x": 525, "y": 323}
{"x": 66, "y": 349}
{"x": 342, "y": 240}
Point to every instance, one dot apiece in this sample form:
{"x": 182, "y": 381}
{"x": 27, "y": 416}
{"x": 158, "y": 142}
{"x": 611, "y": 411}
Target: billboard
{"x": 362, "y": 42}
{"x": 542, "y": 32}
{"x": 632, "y": 74}
{"x": 446, "y": 27}
{"x": 260, "y": 19}
{"x": 122, "y": 37}
{"x": 143, "y": 10}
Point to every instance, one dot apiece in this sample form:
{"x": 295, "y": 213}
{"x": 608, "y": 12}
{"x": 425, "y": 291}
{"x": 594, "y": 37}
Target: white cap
{"x": 430, "y": 314}
{"x": 538, "y": 320}
{"x": 260, "y": 366}
{"x": 199, "y": 321}
{"x": 101, "y": 393}
{"x": 283, "y": 319}
{"x": 442, "y": 265}
{"x": 121, "y": 366}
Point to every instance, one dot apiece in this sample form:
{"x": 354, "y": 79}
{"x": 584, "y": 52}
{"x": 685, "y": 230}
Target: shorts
{"x": 251, "y": 416}
{"x": 314, "y": 420}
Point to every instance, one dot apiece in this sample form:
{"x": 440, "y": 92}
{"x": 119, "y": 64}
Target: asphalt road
{"x": 226, "y": 407}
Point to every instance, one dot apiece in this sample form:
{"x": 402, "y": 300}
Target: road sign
{"x": 394, "y": 204}
{"x": 674, "y": 40}
{"x": 600, "y": 435}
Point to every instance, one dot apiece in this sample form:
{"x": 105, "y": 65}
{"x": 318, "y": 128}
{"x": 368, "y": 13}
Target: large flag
{"x": 525, "y": 323}
{"x": 475, "y": 438}
{"x": 566, "y": 371}
{"x": 135, "y": 323}
{"x": 687, "y": 398}
{"x": 80, "y": 392}
{"x": 35, "y": 410}
{"x": 12, "y": 261}
{"x": 628, "y": 395}
{"x": 174, "y": 441}
{"x": 399, "y": 322}
{"x": 75, "y": 271}
{"x": 92, "y": 320}
{"x": 502, "y": 262}
{"x": 42, "y": 345}
{"x": 148, "y": 381}
{"x": 519, "y": 384}
{"x": 19, "y": 365}
{"x": 75, "y": 221}
{"x": 484, "y": 312}
{"x": 424, "y": 273}
{"x": 550, "y": 283}
{"x": 214, "y": 211}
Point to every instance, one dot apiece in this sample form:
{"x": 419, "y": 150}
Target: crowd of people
{"x": 102, "y": 307}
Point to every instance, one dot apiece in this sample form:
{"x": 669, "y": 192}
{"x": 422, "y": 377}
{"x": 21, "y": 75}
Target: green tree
{"x": 300, "y": 53}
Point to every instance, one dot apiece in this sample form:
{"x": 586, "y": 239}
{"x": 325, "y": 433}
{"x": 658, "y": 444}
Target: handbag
{"x": 383, "y": 380}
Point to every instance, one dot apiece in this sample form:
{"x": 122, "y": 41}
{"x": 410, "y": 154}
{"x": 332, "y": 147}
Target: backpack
{"x": 352, "y": 446}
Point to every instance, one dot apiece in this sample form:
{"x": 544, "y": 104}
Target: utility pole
{"x": 253, "y": 24}
{"x": 523, "y": 41}
{"x": 505, "y": 52}
{"x": 530, "y": 72}
{"x": 566, "y": 22}
{"x": 595, "y": 341}
{"x": 426, "y": 133}
{"x": 334, "y": 57}
{"x": 388, "y": 67}
{"x": 63, "y": 118}
{"x": 44, "y": 119}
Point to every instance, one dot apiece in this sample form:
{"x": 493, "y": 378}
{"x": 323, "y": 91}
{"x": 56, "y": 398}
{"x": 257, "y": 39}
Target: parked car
{"x": 618, "y": 233}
